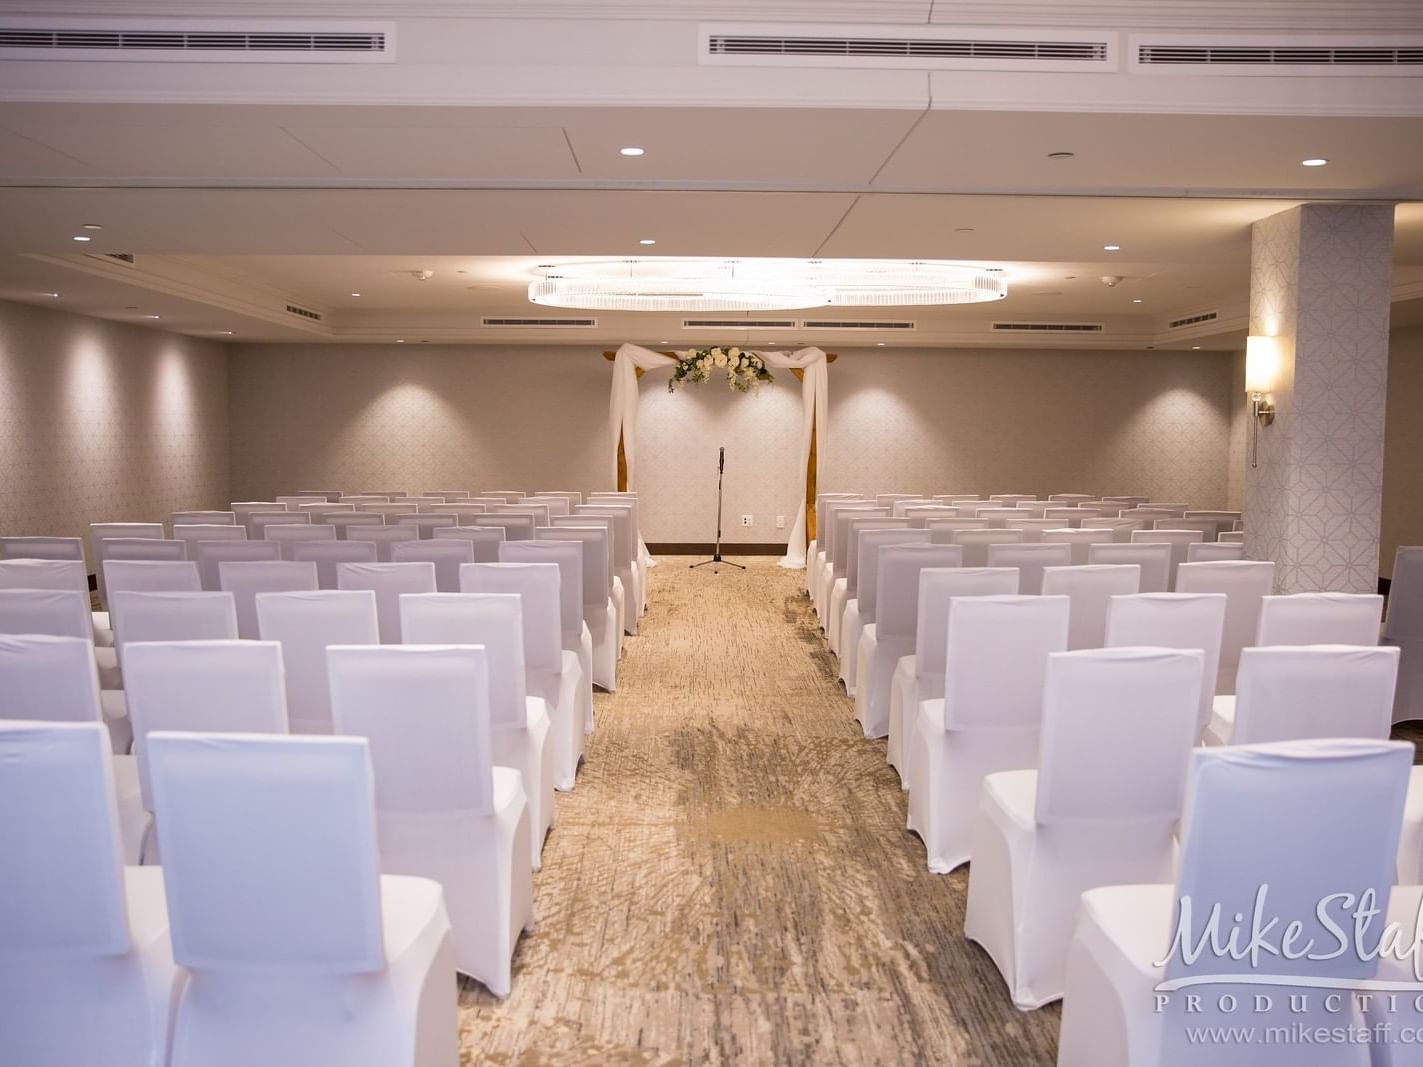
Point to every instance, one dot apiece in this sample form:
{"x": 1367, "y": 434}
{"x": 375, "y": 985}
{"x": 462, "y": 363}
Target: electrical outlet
{"x": 746, "y": 520}
{"x": 780, "y": 522}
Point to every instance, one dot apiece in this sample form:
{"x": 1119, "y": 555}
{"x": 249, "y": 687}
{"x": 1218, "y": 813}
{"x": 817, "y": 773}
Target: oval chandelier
{"x": 759, "y": 284}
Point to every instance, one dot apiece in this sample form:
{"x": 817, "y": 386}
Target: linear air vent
{"x": 540, "y": 324}
{"x": 1192, "y": 320}
{"x": 306, "y": 313}
{"x": 210, "y": 41}
{"x": 1048, "y": 327}
{"x": 738, "y": 324}
{"x": 857, "y": 324}
{"x": 1278, "y": 54}
{"x": 1288, "y": 55}
{"x": 112, "y": 257}
{"x": 936, "y": 47}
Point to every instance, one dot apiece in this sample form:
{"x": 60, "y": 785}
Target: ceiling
{"x": 233, "y": 210}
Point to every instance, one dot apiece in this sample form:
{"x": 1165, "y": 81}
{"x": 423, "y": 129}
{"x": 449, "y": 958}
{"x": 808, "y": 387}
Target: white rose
{"x": 721, "y": 359}
{"x": 734, "y": 352}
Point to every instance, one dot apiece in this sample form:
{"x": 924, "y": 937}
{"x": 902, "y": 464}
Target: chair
{"x": 552, "y": 672}
{"x": 168, "y": 616}
{"x": 1320, "y": 619}
{"x": 48, "y": 678}
{"x": 1070, "y": 498}
{"x": 573, "y": 631}
{"x": 1122, "y": 529}
{"x": 1307, "y": 819}
{"x": 1172, "y": 620}
{"x": 847, "y": 559}
{"x": 1208, "y": 551}
{"x": 859, "y": 609}
{"x": 1030, "y": 560}
{"x": 461, "y": 511}
{"x": 1404, "y": 629}
{"x": 78, "y": 927}
{"x": 450, "y": 496}
{"x": 1128, "y": 501}
{"x": 258, "y": 521}
{"x": 999, "y": 517}
{"x": 890, "y": 636}
{"x": 1080, "y": 540}
{"x": 1012, "y": 500}
{"x": 1299, "y": 692}
{"x": 99, "y": 532}
{"x": 151, "y": 576}
{"x": 329, "y": 555}
{"x": 202, "y": 518}
{"x": 447, "y": 554}
{"x": 1090, "y": 589}
{"x": 384, "y": 536}
{"x": 888, "y": 500}
{"x": 1033, "y": 529}
{"x": 1245, "y": 584}
{"x": 360, "y": 499}
{"x": 245, "y": 581}
{"x": 306, "y": 624}
{"x": 192, "y": 534}
{"x": 382, "y": 494}
{"x": 520, "y": 722}
{"x": 987, "y": 720}
{"x": 1228, "y": 537}
{"x": 443, "y": 810}
{"x": 426, "y": 523}
{"x": 1177, "y": 539}
{"x": 329, "y": 495}
{"x": 320, "y": 511}
{"x": 1207, "y": 527}
{"x": 1118, "y": 727}
{"x": 920, "y": 676}
{"x": 292, "y": 534}
{"x": 516, "y": 527}
{"x": 39, "y": 572}
{"x": 975, "y": 543}
{"x": 899, "y": 508}
{"x": 343, "y": 521}
{"x": 56, "y": 612}
{"x": 55, "y": 548}
{"x": 625, "y": 556}
{"x": 824, "y": 577}
{"x": 921, "y": 516}
{"x": 392, "y": 513}
{"x": 298, "y": 951}
{"x": 389, "y": 581}
{"x": 210, "y": 555}
{"x": 1067, "y": 517}
{"x": 484, "y": 540}
{"x": 1154, "y": 559}
{"x": 599, "y": 612}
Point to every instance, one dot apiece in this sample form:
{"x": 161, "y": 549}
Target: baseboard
{"x": 705, "y": 548}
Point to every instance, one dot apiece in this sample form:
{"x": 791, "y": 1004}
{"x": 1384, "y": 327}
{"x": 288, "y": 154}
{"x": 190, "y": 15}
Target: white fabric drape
{"x": 814, "y": 394}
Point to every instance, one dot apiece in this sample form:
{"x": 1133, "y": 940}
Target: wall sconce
{"x": 1261, "y": 365}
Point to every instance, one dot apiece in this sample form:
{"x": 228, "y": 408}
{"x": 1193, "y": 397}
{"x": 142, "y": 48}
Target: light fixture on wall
{"x": 1261, "y": 366}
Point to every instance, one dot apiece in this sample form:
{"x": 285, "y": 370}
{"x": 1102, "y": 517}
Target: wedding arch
{"x": 810, "y": 365}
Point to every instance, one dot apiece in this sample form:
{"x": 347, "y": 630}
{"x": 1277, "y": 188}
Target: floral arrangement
{"x": 744, "y": 370}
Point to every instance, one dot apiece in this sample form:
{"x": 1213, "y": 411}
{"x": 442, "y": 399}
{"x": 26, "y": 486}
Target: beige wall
{"x": 105, "y": 422}
{"x": 1403, "y": 447}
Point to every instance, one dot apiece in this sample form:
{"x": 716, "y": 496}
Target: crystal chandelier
{"x": 759, "y": 284}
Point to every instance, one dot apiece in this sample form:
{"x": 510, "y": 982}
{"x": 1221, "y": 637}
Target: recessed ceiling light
{"x": 82, "y": 237}
{"x": 52, "y": 296}
{"x": 1316, "y": 162}
{"x": 227, "y": 333}
{"x": 1137, "y": 300}
{"x": 1111, "y": 248}
{"x": 355, "y": 294}
{"x": 150, "y": 316}
{"x": 631, "y": 150}
{"x": 647, "y": 241}
{"x": 1195, "y": 348}
{"x": 91, "y": 226}
{"x": 1061, "y": 155}
{"x": 879, "y": 344}
{"x": 400, "y": 340}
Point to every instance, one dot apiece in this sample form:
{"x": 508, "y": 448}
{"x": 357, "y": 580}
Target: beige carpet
{"x": 731, "y": 880}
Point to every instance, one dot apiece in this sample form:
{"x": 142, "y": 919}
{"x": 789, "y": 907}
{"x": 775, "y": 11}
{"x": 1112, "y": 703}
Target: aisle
{"x": 731, "y": 882}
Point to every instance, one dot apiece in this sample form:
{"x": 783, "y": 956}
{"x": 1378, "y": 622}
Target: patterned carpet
{"x": 731, "y": 881}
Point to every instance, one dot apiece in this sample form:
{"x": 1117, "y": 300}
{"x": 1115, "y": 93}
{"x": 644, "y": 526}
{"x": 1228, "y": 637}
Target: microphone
{"x": 721, "y": 460}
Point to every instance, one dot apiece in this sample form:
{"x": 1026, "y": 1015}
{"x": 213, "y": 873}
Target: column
{"x": 1319, "y": 286}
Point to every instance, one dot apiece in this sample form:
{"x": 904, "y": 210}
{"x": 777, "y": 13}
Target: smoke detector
{"x": 1111, "y": 281}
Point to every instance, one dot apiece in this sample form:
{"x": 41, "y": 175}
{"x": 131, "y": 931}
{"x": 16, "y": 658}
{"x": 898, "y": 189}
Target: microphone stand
{"x": 716, "y": 552}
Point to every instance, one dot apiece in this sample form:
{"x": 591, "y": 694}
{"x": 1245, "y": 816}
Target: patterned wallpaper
{"x": 1320, "y": 285}
{"x": 1403, "y": 446}
{"x": 106, "y": 422}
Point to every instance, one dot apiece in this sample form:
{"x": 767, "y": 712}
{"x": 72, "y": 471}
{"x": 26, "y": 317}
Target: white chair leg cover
{"x": 946, "y": 771}
{"x": 619, "y": 599}
{"x": 107, "y": 660}
{"x": 907, "y": 692}
{"x": 826, "y": 582}
{"x": 1410, "y": 842}
{"x": 839, "y": 593}
{"x": 602, "y": 624}
{"x": 404, "y": 1016}
{"x": 1408, "y": 696}
{"x": 134, "y": 818}
{"x": 563, "y": 695}
{"x": 103, "y": 630}
{"x": 115, "y": 708}
{"x": 851, "y": 626}
{"x": 874, "y": 675}
{"x": 1025, "y": 886}
{"x": 632, "y": 608}
{"x": 812, "y": 557}
{"x": 583, "y": 649}
{"x": 126, "y": 999}
{"x": 487, "y": 876}
{"x": 531, "y": 752}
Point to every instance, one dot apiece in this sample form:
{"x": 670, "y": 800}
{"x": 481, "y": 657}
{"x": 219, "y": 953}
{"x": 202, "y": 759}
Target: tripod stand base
{"x": 716, "y": 558}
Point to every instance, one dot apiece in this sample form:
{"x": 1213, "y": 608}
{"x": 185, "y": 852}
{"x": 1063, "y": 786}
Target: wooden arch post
{"x": 810, "y": 464}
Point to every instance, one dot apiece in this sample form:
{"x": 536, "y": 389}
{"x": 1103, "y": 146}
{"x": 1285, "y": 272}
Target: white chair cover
{"x": 192, "y": 534}
{"x": 1172, "y": 620}
{"x": 552, "y": 672}
{"x": 975, "y": 543}
{"x": 1090, "y": 589}
{"x": 1245, "y": 584}
{"x": 320, "y": 510}
{"x": 921, "y": 515}
{"x": 1154, "y": 559}
{"x": 1118, "y": 728}
{"x": 330, "y": 495}
{"x": 890, "y": 636}
{"x": 920, "y": 676}
{"x": 55, "y": 612}
{"x": 1177, "y": 539}
{"x": 626, "y": 541}
{"x": 383, "y": 537}
{"x": 297, "y": 951}
{"x": 212, "y": 554}
{"x": 77, "y": 927}
{"x": 1307, "y": 819}
{"x": 1207, "y": 551}
{"x": 168, "y": 616}
{"x": 1294, "y": 693}
{"x": 1320, "y": 619}
{"x": 574, "y": 633}
{"x": 987, "y": 721}
{"x": 1228, "y": 537}
{"x": 1032, "y": 529}
{"x": 306, "y": 624}
{"x": 246, "y": 580}
{"x": 151, "y": 576}
{"x": 69, "y": 574}
{"x": 447, "y": 554}
{"x": 290, "y": 535}
{"x": 1030, "y": 560}
{"x": 520, "y": 722}
{"x": 329, "y": 555}
{"x": 58, "y": 548}
{"x": 443, "y": 810}
{"x": 389, "y": 582}
{"x": 346, "y": 519}
{"x": 846, "y": 577}
{"x": 203, "y": 518}
{"x": 824, "y": 577}
{"x": 258, "y": 521}
{"x": 99, "y": 532}
{"x": 515, "y": 527}
{"x": 1081, "y": 541}
{"x": 428, "y": 522}
{"x": 599, "y": 610}
{"x": 1404, "y": 629}
{"x": 859, "y": 610}
{"x": 484, "y": 539}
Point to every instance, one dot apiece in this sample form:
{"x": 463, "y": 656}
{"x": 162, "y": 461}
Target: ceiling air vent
{"x": 853, "y": 324}
{"x": 211, "y": 41}
{"x": 1259, "y": 54}
{"x": 112, "y": 257}
{"x": 936, "y": 47}
{"x": 1048, "y": 327}
{"x": 1192, "y": 320}
{"x": 540, "y": 324}
{"x": 306, "y": 313}
{"x": 738, "y": 324}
